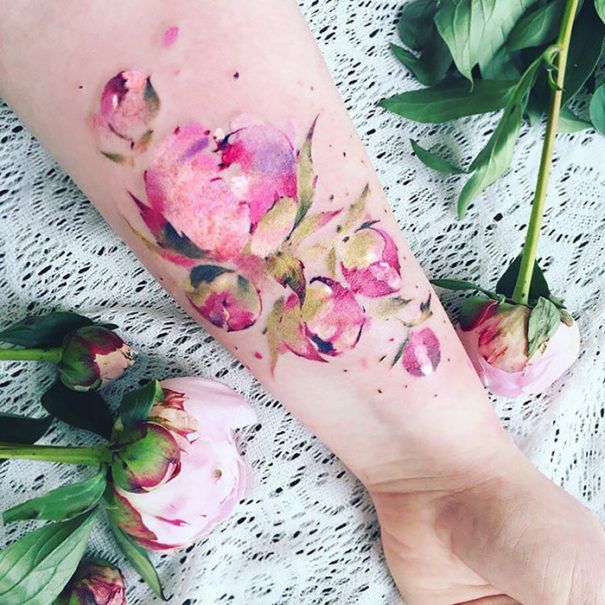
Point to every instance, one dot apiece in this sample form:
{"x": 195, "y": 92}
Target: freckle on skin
{"x": 236, "y": 75}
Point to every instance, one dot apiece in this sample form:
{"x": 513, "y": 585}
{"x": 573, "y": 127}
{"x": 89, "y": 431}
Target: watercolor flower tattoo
{"x": 128, "y": 105}
{"x": 236, "y": 211}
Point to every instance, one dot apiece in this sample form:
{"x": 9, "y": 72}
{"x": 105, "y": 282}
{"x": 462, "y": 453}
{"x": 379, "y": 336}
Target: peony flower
{"x": 329, "y": 322}
{"x": 96, "y": 582}
{"x": 421, "y": 352}
{"x": 266, "y": 166}
{"x": 496, "y": 338}
{"x": 184, "y": 187}
{"x": 370, "y": 262}
{"x": 225, "y": 298}
{"x": 205, "y": 200}
{"x": 179, "y": 474}
{"x": 91, "y": 357}
{"x": 128, "y": 104}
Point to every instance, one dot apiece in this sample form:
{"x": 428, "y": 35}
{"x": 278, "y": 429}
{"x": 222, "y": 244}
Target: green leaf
{"x": 87, "y": 411}
{"x": 44, "y": 331}
{"x": 475, "y": 30}
{"x": 139, "y": 560}
{"x": 597, "y": 109}
{"x": 585, "y": 50}
{"x": 289, "y": 272}
{"x": 60, "y": 504}
{"x": 501, "y": 67}
{"x": 458, "y": 285}
{"x": 416, "y": 27}
{"x": 537, "y": 28}
{"x": 450, "y": 100}
{"x": 538, "y": 288}
{"x": 600, "y": 6}
{"x": 543, "y": 323}
{"x": 137, "y": 404}
{"x": 305, "y": 176}
{"x": 470, "y": 309}
{"x": 21, "y": 429}
{"x": 569, "y": 122}
{"x": 495, "y": 158}
{"x": 434, "y": 161}
{"x": 34, "y": 570}
{"x": 431, "y": 65}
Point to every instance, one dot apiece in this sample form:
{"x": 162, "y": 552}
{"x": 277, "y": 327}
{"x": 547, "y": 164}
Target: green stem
{"x": 530, "y": 248}
{"x": 90, "y": 456}
{"x": 52, "y": 355}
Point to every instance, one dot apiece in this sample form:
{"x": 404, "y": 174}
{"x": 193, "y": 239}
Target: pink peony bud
{"x": 96, "y": 582}
{"x": 370, "y": 262}
{"x": 128, "y": 104}
{"x": 93, "y": 356}
{"x": 175, "y": 486}
{"x": 225, "y": 298}
{"x": 497, "y": 338}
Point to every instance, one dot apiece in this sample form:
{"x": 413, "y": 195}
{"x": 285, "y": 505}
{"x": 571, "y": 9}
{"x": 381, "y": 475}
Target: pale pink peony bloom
{"x": 370, "y": 262}
{"x": 495, "y": 339}
{"x": 210, "y": 477}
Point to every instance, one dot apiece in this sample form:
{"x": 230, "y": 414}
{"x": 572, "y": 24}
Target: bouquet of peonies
{"x": 167, "y": 474}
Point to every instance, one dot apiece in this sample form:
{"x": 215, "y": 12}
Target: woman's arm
{"x": 211, "y": 138}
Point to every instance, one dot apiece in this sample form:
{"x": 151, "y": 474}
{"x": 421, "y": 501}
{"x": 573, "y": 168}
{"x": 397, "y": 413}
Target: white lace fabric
{"x": 307, "y": 533}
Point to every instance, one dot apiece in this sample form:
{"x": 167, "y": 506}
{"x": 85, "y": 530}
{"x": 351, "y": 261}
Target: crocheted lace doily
{"x": 307, "y": 533}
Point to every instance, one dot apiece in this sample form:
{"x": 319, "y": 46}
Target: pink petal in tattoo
{"x": 370, "y": 262}
{"x": 421, "y": 353}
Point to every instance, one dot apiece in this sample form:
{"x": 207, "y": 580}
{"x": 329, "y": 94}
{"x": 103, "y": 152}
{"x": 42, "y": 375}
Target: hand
{"x": 497, "y": 532}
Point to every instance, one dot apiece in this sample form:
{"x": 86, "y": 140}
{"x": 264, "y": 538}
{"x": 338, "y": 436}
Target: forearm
{"x": 347, "y": 333}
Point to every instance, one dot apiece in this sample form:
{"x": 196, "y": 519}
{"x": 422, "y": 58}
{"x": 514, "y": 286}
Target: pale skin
{"x": 465, "y": 518}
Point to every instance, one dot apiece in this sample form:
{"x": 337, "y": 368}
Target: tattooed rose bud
{"x": 91, "y": 357}
{"x": 517, "y": 350}
{"x": 128, "y": 104}
{"x": 333, "y": 318}
{"x": 225, "y": 298}
{"x": 179, "y": 473}
{"x": 370, "y": 262}
{"x": 329, "y": 322}
{"x": 96, "y": 582}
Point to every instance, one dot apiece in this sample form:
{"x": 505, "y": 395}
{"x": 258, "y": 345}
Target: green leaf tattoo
{"x": 34, "y": 570}
{"x": 61, "y": 504}
{"x": 543, "y": 323}
{"x": 305, "y": 176}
